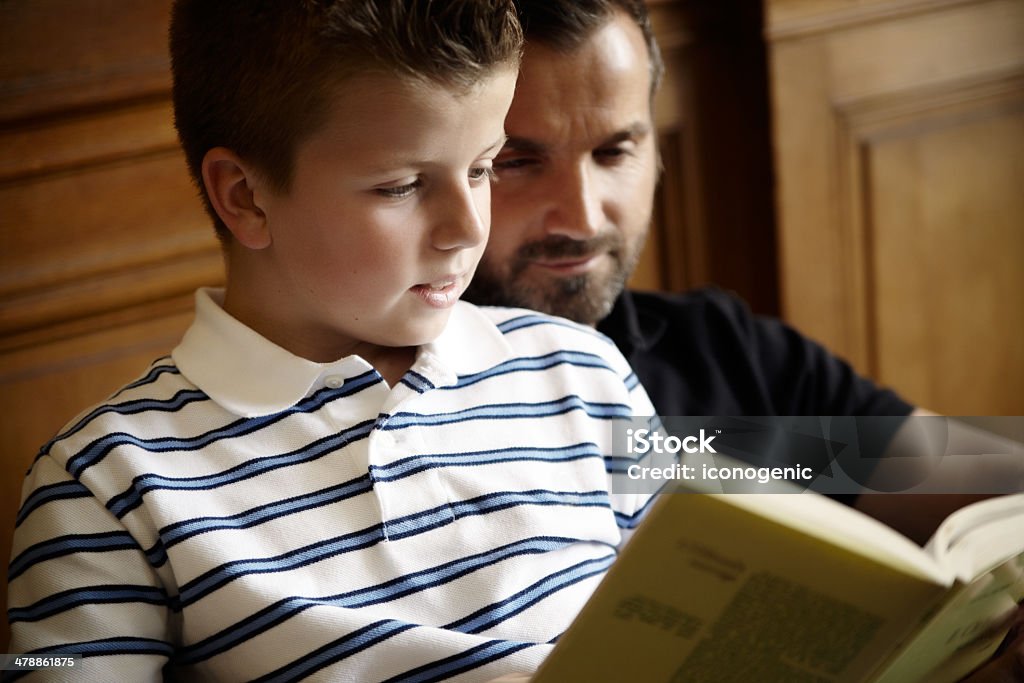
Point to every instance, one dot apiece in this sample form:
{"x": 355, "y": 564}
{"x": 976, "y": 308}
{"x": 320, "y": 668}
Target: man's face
{"x": 576, "y": 178}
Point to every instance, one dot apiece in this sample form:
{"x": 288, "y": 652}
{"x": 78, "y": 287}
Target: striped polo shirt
{"x": 246, "y": 514}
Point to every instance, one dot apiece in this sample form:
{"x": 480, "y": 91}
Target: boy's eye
{"x": 399, "y": 191}
{"x": 481, "y": 173}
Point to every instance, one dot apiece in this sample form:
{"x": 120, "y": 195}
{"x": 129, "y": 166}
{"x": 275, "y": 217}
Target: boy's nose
{"x": 463, "y": 222}
{"x": 575, "y": 205}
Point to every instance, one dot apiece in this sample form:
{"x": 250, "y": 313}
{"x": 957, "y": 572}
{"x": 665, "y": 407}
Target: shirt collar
{"x": 470, "y": 343}
{"x": 251, "y": 376}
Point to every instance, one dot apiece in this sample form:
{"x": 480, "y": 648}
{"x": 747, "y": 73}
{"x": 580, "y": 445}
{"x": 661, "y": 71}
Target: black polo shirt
{"x": 705, "y": 353}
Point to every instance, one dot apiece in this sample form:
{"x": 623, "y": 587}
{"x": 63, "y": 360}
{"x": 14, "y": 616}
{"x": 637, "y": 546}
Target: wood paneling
{"x": 714, "y": 217}
{"x": 898, "y": 138}
{"x": 64, "y": 54}
{"x": 947, "y": 310}
{"x": 102, "y": 239}
{"x": 672, "y": 257}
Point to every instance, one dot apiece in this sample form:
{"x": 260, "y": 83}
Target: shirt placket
{"x": 410, "y": 498}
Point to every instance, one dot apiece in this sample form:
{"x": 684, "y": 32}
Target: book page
{"x": 847, "y": 528}
{"x": 964, "y": 632}
{"x": 980, "y": 536}
{"x": 984, "y": 544}
{"x": 708, "y": 591}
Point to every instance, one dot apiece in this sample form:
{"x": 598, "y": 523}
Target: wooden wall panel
{"x": 676, "y": 245}
{"x": 91, "y": 257}
{"x": 102, "y": 239}
{"x": 947, "y": 307}
{"x": 714, "y": 219}
{"x": 65, "y": 54}
{"x": 672, "y": 257}
{"x": 875, "y": 112}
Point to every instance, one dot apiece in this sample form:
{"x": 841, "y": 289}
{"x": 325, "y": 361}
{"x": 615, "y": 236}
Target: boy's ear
{"x": 230, "y": 185}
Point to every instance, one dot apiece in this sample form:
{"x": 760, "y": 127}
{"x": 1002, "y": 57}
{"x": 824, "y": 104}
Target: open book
{"x": 795, "y": 588}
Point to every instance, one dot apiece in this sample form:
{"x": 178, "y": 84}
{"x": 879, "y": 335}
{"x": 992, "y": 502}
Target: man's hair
{"x": 564, "y": 25}
{"x": 256, "y": 76}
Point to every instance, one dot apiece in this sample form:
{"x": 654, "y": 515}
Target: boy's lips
{"x": 442, "y": 292}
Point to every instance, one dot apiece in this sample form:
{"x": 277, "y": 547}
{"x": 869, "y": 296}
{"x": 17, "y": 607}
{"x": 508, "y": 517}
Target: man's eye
{"x": 512, "y": 163}
{"x": 399, "y": 191}
{"x": 611, "y": 154}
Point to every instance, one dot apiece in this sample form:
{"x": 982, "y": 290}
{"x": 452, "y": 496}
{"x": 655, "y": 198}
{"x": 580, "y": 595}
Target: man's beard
{"x": 585, "y": 298}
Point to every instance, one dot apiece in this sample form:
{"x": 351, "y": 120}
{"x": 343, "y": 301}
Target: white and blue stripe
{"x": 318, "y": 524}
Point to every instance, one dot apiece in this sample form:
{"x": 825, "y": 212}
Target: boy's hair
{"x": 564, "y": 25}
{"x": 256, "y": 76}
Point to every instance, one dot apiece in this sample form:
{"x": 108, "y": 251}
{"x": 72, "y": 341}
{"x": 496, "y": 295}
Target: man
{"x": 571, "y": 212}
{"x": 570, "y": 215}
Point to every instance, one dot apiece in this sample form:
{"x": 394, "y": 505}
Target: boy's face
{"x": 385, "y": 220}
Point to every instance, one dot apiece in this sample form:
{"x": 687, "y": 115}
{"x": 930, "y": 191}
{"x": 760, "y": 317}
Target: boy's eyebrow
{"x": 389, "y": 166}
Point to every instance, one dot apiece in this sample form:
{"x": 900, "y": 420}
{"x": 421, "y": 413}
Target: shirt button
{"x": 334, "y": 381}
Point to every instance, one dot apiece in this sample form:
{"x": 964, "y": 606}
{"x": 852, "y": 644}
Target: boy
{"x": 340, "y": 473}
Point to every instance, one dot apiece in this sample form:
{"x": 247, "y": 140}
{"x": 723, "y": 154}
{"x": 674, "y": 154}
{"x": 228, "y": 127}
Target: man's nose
{"x": 575, "y": 204}
{"x": 463, "y": 220}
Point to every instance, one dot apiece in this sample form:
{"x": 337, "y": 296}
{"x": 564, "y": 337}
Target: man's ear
{"x": 230, "y": 185}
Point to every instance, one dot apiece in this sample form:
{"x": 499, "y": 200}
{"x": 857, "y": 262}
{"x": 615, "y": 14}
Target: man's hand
{"x": 1007, "y": 665}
